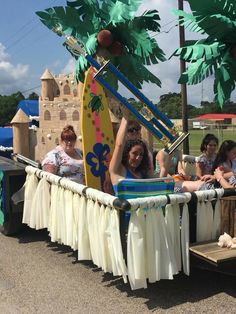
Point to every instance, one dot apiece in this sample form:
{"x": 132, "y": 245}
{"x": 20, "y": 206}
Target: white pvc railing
{"x": 87, "y": 220}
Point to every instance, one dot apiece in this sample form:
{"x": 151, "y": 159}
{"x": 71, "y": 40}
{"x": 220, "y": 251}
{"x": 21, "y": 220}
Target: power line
{"x": 28, "y": 90}
{"x": 18, "y": 31}
{"x": 22, "y": 37}
{"x": 32, "y": 20}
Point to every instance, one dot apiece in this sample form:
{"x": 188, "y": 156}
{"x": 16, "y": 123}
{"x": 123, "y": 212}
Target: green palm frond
{"x": 136, "y": 71}
{"x": 89, "y": 9}
{"x": 148, "y": 20}
{"x": 224, "y": 7}
{"x": 84, "y": 19}
{"x": 156, "y": 56}
{"x": 114, "y": 12}
{"x": 212, "y": 55}
{"x": 194, "y": 50}
{"x": 197, "y": 72}
{"x": 188, "y": 21}
{"x": 225, "y": 78}
{"x": 218, "y": 26}
{"x": 68, "y": 21}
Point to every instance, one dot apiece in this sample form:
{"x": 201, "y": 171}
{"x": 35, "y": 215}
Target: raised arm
{"x": 116, "y": 169}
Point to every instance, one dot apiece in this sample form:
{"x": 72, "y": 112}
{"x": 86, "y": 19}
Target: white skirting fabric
{"x": 185, "y": 240}
{"x": 216, "y": 228}
{"x": 91, "y": 232}
{"x": 75, "y": 220}
{"x": 40, "y": 209}
{"x": 31, "y": 184}
{"x": 168, "y": 265}
{"x": 136, "y": 251}
{"x": 201, "y": 222}
{"x": 115, "y": 244}
{"x": 204, "y": 220}
{"x": 157, "y": 244}
{"x": 53, "y": 217}
{"x": 172, "y": 218}
{"x": 150, "y": 246}
{"x": 209, "y": 220}
{"x": 104, "y": 221}
{"x": 68, "y": 209}
{"x": 84, "y": 252}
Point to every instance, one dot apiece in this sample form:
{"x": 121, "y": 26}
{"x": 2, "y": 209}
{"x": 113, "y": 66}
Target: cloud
{"x": 12, "y": 77}
{"x": 69, "y": 67}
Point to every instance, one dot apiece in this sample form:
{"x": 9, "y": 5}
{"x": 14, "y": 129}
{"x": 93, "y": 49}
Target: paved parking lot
{"x": 37, "y": 276}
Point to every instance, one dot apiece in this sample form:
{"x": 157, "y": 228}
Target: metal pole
{"x": 183, "y": 86}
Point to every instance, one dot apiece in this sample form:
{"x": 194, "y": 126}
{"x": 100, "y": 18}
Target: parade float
{"x": 158, "y": 240}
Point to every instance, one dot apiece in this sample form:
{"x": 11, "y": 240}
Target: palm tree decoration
{"x": 111, "y": 29}
{"x": 215, "y": 54}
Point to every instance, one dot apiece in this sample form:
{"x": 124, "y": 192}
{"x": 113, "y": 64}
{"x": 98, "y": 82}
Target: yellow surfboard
{"x": 97, "y": 133}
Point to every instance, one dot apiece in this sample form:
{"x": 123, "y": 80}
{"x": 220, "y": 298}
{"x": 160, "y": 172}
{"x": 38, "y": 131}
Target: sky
{"x": 27, "y": 48}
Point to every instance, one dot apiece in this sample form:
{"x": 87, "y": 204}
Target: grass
{"x": 196, "y": 136}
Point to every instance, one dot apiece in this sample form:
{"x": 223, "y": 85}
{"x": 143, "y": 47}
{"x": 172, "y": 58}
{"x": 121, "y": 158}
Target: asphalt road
{"x": 37, "y": 276}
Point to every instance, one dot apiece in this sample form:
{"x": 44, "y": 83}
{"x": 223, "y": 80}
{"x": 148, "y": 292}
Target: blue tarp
{"x": 30, "y": 107}
{"x": 6, "y": 140}
{"x": 6, "y": 137}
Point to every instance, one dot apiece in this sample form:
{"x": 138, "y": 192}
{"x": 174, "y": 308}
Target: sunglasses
{"x": 132, "y": 130}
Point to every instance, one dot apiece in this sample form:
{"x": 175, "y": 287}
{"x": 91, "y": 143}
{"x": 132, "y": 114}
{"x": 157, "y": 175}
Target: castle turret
{"x": 47, "y": 86}
{"x": 20, "y": 126}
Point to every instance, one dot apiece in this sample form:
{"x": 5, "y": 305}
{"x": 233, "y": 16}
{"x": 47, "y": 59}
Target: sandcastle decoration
{"x": 20, "y": 126}
{"x": 59, "y": 104}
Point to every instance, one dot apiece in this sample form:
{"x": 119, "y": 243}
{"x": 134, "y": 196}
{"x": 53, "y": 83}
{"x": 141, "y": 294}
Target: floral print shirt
{"x": 207, "y": 163}
{"x": 68, "y": 167}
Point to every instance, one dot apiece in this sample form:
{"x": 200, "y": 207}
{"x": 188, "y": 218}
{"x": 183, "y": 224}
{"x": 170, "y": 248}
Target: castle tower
{"x": 47, "y": 91}
{"x": 20, "y": 126}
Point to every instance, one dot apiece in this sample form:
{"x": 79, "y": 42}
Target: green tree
{"x": 33, "y": 96}
{"x": 170, "y": 104}
{"x": 8, "y": 105}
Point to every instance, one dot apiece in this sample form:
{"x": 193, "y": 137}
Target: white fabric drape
{"x": 208, "y": 220}
{"x": 114, "y": 230}
{"x": 53, "y": 217}
{"x": 40, "y": 206}
{"x": 84, "y": 252}
{"x": 216, "y": 228}
{"x": 185, "y": 240}
{"x": 31, "y": 184}
{"x": 158, "y": 244}
{"x": 172, "y": 219}
{"x": 136, "y": 251}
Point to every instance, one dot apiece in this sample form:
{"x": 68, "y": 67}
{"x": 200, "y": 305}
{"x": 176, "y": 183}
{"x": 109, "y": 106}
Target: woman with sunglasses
{"x": 130, "y": 157}
{"x": 130, "y": 161}
{"x": 66, "y": 160}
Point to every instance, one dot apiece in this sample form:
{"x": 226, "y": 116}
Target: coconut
{"x": 105, "y": 38}
{"x": 116, "y": 49}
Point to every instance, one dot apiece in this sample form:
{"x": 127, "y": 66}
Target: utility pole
{"x": 183, "y": 86}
